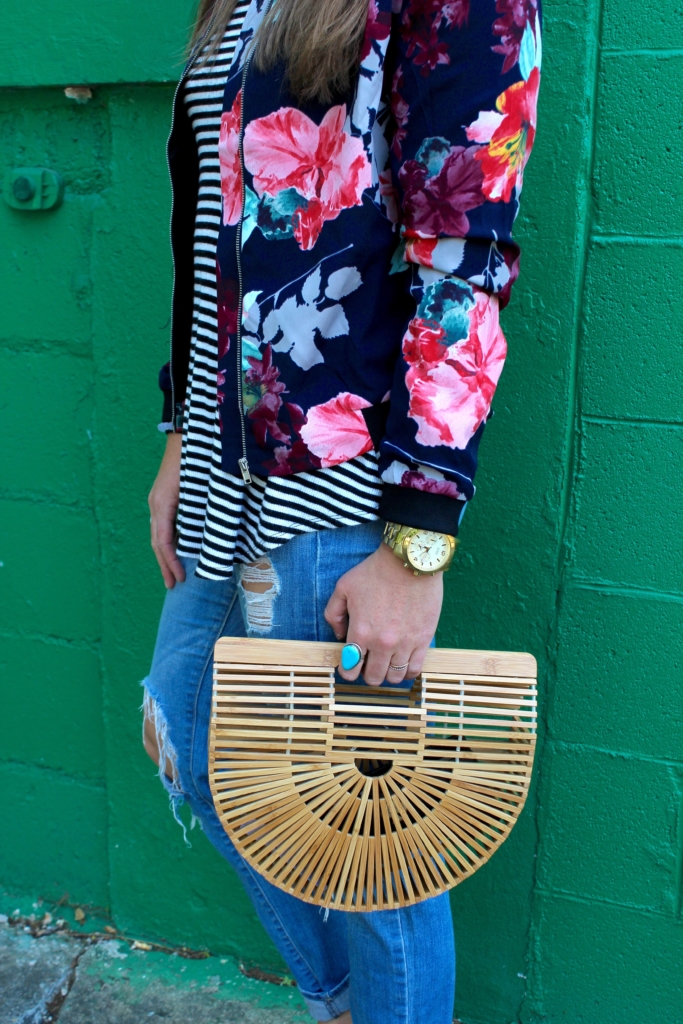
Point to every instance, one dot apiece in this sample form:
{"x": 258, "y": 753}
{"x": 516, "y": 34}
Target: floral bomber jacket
{"x": 365, "y": 248}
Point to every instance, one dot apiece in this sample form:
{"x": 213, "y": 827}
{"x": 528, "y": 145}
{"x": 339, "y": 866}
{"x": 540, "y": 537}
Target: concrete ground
{"x": 49, "y": 973}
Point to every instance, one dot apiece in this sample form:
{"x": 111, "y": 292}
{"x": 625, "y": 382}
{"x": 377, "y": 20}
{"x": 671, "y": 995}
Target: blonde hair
{"x": 319, "y": 41}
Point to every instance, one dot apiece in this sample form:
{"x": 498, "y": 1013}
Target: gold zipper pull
{"x": 244, "y": 470}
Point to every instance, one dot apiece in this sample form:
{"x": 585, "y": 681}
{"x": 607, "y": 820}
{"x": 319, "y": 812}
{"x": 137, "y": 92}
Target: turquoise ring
{"x": 351, "y": 656}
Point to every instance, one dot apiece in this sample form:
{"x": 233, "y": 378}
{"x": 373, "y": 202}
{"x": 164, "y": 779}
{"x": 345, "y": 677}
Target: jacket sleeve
{"x": 166, "y": 425}
{"x": 464, "y": 84}
{"x": 171, "y": 418}
{"x": 183, "y": 166}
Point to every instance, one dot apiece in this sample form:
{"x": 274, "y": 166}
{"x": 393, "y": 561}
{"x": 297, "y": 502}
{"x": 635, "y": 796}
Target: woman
{"x": 345, "y": 177}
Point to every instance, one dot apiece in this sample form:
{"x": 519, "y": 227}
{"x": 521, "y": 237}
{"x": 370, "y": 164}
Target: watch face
{"x": 428, "y": 552}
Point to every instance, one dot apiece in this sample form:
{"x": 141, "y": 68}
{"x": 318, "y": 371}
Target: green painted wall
{"x": 572, "y": 549}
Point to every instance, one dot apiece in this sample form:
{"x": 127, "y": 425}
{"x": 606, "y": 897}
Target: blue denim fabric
{"x": 388, "y": 966}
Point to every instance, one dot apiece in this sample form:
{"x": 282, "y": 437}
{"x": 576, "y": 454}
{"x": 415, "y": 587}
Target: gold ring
{"x": 398, "y": 668}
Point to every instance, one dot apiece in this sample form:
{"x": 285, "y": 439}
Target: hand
{"x": 163, "y": 506}
{"x": 390, "y": 613}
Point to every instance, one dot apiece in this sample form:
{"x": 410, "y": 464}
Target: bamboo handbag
{"x": 362, "y": 798}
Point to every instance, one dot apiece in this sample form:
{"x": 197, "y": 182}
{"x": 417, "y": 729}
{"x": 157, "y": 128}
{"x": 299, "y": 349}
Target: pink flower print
{"x": 377, "y": 28}
{"x": 450, "y": 396}
{"x": 422, "y": 20}
{"x": 336, "y": 430}
{"x": 456, "y": 12}
{"x": 344, "y": 165}
{"x": 419, "y": 482}
{"x": 400, "y": 111}
{"x": 281, "y": 152}
{"x": 220, "y": 384}
{"x": 509, "y": 133}
{"x": 296, "y": 459}
{"x": 328, "y": 167}
{"x": 387, "y": 192}
{"x": 433, "y": 12}
{"x": 442, "y": 254}
{"x": 227, "y": 301}
{"x": 516, "y": 15}
{"x": 429, "y": 52}
{"x": 308, "y": 223}
{"x": 437, "y": 206}
{"x": 421, "y": 251}
{"x": 262, "y": 375}
{"x": 421, "y": 478}
{"x": 423, "y": 347}
{"x": 231, "y": 168}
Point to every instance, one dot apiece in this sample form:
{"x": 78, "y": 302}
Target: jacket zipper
{"x": 243, "y": 463}
{"x": 181, "y": 83}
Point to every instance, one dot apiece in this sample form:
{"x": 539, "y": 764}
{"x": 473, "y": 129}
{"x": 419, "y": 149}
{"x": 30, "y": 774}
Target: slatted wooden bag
{"x": 364, "y": 798}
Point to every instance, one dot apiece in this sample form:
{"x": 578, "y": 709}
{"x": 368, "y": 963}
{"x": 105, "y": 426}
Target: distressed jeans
{"x": 386, "y": 966}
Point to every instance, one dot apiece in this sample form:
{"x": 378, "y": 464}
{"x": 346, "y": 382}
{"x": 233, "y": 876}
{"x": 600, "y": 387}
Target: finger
{"x": 351, "y": 674}
{"x": 416, "y": 661}
{"x": 336, "y": 614}
{"x": 376, "y": 666}
{"x": 168, "y": 577}
{"x": 170, "y": 566}
{"x": 398, "y": 666}
{"x": 173, "y": 562}
{"x": 167, "y": 539}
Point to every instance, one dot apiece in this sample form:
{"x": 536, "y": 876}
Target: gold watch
{"x": 424, "y": 551}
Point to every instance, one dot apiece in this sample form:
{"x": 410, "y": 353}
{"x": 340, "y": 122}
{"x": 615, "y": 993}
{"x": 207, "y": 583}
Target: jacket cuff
{"x": 167, "y": 413}
{"x": 423, "y": 509}
{"x": 165, "y": 382}
{"x": 172, "y": 422}
{"x": 171, "y": 419}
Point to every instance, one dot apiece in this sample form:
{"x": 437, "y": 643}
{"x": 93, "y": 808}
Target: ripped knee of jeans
{"x": 259, "y": 586}
{"x": 158, "y": 745}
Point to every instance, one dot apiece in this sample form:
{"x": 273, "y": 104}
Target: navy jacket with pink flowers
{"x": 365, "y": 248}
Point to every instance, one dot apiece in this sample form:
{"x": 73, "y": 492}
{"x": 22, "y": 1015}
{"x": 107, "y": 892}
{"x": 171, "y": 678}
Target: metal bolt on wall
{"x": 33, "y": 188}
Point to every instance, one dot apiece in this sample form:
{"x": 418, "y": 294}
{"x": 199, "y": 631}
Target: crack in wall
{"x": 46, "y": 499}
{"x": 601, "y": 901}
{"x": 54, "y": 640}
{"x": 93, "y": 782}
{"x": 578, "y": 582}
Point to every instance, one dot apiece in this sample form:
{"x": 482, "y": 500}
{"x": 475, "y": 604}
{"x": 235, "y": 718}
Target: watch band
{"x": 395, "y": 536}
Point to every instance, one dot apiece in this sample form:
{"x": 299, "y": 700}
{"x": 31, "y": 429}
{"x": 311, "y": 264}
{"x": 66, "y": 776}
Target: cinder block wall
{"x": 572, "y": 548}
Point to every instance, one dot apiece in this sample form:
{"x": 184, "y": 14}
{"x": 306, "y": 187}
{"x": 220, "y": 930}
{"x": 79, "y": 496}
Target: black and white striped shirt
{"x": 222, "y": 520}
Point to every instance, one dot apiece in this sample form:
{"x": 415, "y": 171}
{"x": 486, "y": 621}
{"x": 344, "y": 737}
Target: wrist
{"x": 395, "y": 573}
